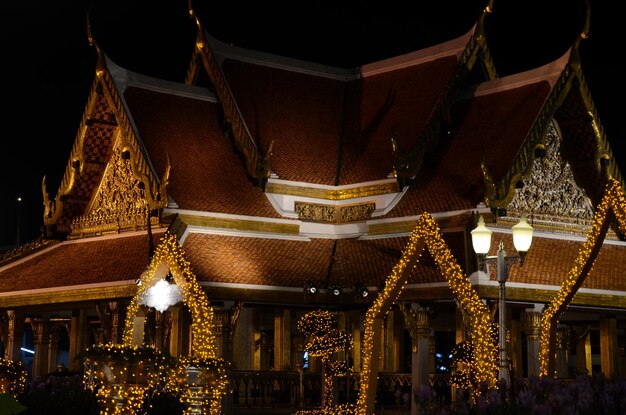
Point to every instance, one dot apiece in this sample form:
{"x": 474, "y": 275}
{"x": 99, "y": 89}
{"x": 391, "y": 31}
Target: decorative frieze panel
{"x": 315, "y": 212}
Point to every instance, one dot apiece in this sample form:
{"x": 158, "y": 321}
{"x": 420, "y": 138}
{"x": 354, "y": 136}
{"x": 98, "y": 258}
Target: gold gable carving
{"x": 499, "y": 193}
{"x": 315, "y": 212}
{"x": 105, "y": 97}
{"x": 119, "y": 204}
{"x": 550, "y": 193}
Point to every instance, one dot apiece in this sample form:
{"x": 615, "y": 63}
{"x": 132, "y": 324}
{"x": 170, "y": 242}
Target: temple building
{"x": 292, "y": 186}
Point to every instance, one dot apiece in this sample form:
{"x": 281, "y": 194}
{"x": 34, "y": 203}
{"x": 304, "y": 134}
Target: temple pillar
{"x": 355, "y": 330}
{"x": 222, "y": 333}
{"x": 562, "y": 352}
{"x": 515, "y": 356}
{"x": 53, "y": 348}
{"x": 257, "y": 341}
{"x": 394, "y": 327}
{"x": 608, "y": 346}
{"x": 243, "y": 340}
{"x": 78, "y": 333}
{"x": 432, "y": 350}
{"x": 583, "y": 350}
{"x": 159, "y": 329}
{"x": 460, "y": 335}
{"x": 225, "y": 324}
{"x": 179, "y": 339}
{"x": 139, "y": 327}
{"x": 4, "y": 331}
{"x": 418, "y": 322}
{"x": 532, "y": 324}
{"x": 41, "y": 341}
{"x": 282, "y": 340}
{"x": 13, "y": 348}
{"x": 261, "y": 342}
{"x": 118, "y": 318}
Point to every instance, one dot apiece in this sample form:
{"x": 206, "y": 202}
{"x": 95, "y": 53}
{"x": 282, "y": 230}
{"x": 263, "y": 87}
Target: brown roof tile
{"x": 207, "y": 174}
{"x": 301, "y": 113}
{"x": 289, "y": 263}
{"x": 548, "y": 262}
{"x": 317, "y": 122}
{"x": 393, "y": 104}
{"x": 96, "y": 151}
{"x": 87, "y": 261}
{"x": 436, "y": 195}
{"x": 492, "y": 126}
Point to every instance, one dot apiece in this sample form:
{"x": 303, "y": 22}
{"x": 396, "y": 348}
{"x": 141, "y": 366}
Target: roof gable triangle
{"x": 550, "y": 193}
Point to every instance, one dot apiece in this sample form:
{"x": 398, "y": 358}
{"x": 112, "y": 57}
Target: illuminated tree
{"x": 324, "y": 340}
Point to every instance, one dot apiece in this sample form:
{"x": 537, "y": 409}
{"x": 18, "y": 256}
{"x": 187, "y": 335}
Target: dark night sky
{"x": 48, "y": 64}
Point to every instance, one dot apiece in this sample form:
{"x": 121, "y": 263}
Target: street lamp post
{"x": 481, "y": 241}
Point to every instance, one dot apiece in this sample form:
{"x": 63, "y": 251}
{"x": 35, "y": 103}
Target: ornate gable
{"x": 120, "y": 201}
{"x": 108, "y": 184}
{"x": 550, "y": 194}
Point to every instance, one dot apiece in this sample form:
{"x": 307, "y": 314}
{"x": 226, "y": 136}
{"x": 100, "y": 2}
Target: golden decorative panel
{"x": 333, "y": 194}
{"x": 315, "y": 212}
{"x": 105, "y": 106}
{"x": 239, "y": 224}
{"x": 120, "y": 203}
{"x": 550, "y": 193}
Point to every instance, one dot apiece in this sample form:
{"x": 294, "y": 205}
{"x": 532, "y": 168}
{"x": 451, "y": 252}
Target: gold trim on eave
{"x": 332, "y": 194}
{"x": 241, "y": 224}
{"x": 69, "y": 295}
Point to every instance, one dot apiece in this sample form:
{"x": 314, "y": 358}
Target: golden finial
{"x": 585, "y": 32}
{"x": 489, "y": 7}
{"x": 48, "y": 207}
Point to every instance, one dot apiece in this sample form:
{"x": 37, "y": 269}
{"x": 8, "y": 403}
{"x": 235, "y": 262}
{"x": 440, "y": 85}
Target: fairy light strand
{"x": 13, "y": 377}
{"x": 484, "y": 364}
{"x": 201, "y": 379}
{"x": 324, "y": 340}
{"x": 612, "y": 201}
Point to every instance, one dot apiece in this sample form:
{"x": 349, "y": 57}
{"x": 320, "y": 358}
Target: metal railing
{"x": 256, "y": 389}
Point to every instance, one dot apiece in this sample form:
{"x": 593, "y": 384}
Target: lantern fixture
{"x": 481, "y": 241}
{"x": 162, "y": 295}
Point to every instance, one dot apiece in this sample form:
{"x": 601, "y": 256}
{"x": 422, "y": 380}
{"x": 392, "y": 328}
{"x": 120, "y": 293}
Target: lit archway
{"x": 426, "y": 234}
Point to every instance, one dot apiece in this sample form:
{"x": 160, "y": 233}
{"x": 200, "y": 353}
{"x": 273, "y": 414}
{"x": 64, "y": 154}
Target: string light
{"x": 325, "y": 339}
{"x": 612, "y": 201}
{"x": 484, "y": 364}
{"x": 211, "y": 373}
{"x": 121, "y": 375}
{"x": 170, "y": 253}
{"x": 195, "y": 379}
{"x": 12, "y": 377}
